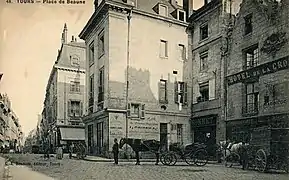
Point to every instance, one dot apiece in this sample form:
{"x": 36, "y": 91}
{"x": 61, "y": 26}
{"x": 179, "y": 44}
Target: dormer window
{"x": 130, "y": 2}
{"x": 181, "y": 15}
{"x": 163, "y": 10}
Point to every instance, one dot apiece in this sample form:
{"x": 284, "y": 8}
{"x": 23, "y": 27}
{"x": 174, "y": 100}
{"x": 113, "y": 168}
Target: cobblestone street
{"x": 71, "y": 169}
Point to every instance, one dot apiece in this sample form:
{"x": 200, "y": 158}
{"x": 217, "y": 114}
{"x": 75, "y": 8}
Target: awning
{"x": 76, "y": 134}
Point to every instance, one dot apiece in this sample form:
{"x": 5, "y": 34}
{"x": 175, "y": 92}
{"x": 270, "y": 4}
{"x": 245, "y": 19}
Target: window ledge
{"x": 164, "y": 57}
{"x": 203, "y": 40}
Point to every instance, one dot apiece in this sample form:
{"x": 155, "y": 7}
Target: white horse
{"x": 226, "y": 148}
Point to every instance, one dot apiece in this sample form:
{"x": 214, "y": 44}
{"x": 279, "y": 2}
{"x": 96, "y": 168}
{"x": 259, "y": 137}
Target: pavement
{"x": 72, "y": 169}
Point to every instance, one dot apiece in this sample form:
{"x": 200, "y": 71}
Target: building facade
{"x": 257, "y": 66}
{"x": 138, "y": 73}
{"x": 65, "y": 95}
{"x": 11, "y": 135}
{"x": 207, "y": 25}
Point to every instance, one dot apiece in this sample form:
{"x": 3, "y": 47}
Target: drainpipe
{"x": 127, "y": 73}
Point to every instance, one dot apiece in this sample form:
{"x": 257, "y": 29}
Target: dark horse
{"x": 139, "y": 145}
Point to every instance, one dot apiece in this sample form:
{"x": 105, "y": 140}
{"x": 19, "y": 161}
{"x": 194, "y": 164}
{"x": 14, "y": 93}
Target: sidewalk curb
{"x": 131, "y": 160}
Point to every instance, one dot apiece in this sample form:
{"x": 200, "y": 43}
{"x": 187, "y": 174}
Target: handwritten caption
{"x": 38, "y": 163}
{"x": 45, "y": 1}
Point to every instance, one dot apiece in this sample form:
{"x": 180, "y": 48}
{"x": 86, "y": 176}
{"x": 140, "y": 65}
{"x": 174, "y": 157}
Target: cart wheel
{"x": 261, "y": 160}
{"x": 162, "y": 156}
{"x": 200, "y": 157}
{"x": 169, "y": 159}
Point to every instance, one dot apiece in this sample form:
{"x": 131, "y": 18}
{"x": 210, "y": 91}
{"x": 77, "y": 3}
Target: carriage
{"x": 268, "y": 149}
{"x": 192, "y": 154}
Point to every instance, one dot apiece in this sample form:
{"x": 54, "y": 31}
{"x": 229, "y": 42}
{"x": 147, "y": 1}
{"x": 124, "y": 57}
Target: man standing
{"x": 71, "y": 150}
{"x": 115, "y": 151}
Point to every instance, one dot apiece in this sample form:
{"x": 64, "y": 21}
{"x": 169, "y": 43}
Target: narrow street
{"x": 72, "y": 169}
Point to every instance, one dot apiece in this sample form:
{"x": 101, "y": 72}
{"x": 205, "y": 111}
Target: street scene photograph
{"x": 144, "y": 89}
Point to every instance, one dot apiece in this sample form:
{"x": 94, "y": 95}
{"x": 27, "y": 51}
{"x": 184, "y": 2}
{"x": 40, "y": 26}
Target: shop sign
{"x": 204, "y": 121}
{"x": 258, "y": 71}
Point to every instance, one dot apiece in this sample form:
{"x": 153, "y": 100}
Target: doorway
{"x": 164, "y": 136}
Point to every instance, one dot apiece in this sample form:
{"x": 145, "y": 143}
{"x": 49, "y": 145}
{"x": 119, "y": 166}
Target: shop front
{"x": 240, "y": 130}
{"x": 204, "y": 131}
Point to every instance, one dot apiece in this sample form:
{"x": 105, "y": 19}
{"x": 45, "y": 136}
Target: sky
{"x": 30, "y": 35}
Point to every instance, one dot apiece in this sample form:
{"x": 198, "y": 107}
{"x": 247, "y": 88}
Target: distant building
{"x": 65, "y": 94}
{"x": 144, "y": 43}
{"x": 257, "y": 66}
{"x": 11, "y": 134}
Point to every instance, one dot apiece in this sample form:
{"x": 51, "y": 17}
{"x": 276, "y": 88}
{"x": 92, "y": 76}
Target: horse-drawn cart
{"x": 269, "y": 149}
{"x": 192, "y": 154}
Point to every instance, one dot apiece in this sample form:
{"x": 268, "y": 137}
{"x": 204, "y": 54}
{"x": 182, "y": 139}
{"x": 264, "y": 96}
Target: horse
{"x": 226, "y": 148}
{"x": 139, "y": 145}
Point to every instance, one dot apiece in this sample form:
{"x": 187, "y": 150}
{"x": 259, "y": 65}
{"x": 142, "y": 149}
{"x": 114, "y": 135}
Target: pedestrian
{"x": 115, "y": 150}
{"x": 71, "y": 150}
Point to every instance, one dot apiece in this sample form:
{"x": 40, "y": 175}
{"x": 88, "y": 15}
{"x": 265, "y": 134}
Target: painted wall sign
{"x": 204, "y": 121}
{"x": 258, "y": 71}
{"x": 116, "y": 124}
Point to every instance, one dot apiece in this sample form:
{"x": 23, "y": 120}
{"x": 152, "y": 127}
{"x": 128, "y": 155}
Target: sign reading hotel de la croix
{"x": 261, "y": 70}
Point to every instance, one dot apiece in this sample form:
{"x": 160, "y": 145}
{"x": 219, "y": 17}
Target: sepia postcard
{"x": 144, "y": 89}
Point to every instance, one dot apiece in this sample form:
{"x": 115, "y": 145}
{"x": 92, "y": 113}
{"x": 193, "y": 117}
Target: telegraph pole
{"x": 127, "y": 74}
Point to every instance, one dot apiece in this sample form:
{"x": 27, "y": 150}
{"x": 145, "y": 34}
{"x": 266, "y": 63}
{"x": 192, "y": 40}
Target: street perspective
{"x": 144, "y": 89}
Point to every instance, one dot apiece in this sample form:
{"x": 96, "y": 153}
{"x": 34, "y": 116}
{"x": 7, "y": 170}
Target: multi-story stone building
{"x": 11, "y": 134}
{"x": 65, "y": 94}
{"x": 206, "y": 42}
{"x": 258, "y": 68}
{"x": 138, "y": 73}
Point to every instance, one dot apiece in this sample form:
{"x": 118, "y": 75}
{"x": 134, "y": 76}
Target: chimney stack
{"x": 189, "y": 7}
{"x": 64, "y": 34}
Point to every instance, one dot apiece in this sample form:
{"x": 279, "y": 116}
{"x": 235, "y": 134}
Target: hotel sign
{"x": 258, "y": 71}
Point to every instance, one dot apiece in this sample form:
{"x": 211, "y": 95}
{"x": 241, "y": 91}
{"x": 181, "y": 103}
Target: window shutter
{"x": 212, "y": 89}
{"x": 81, "y": 109}
{"x": 128, "y": 110}
{"x": 159, "y": 88}
{"x": 69, "y": 108}
{"x": 142, "y": 111}
{"x": 176, "y": 92}
{"x": 185, "y": 93}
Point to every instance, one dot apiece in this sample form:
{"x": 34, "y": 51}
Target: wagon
{"x": 192, "y": 154}
{"x": 269, "y": 149}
